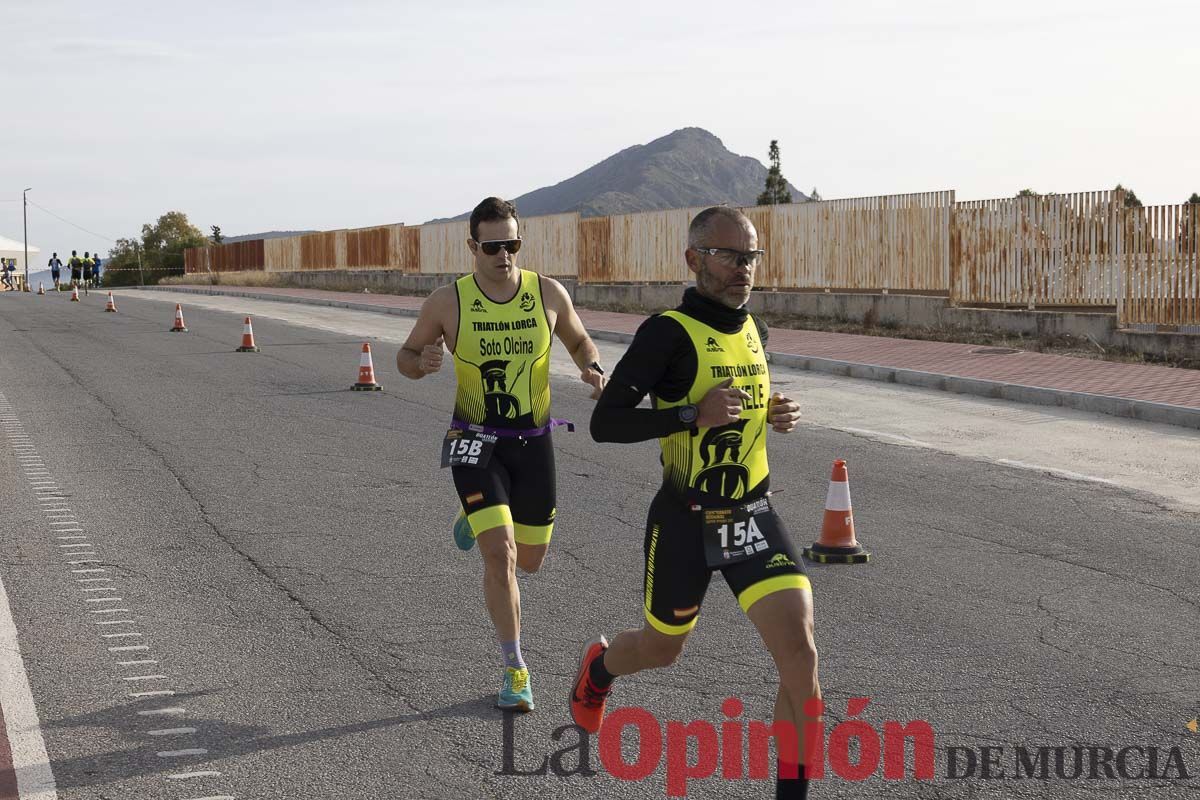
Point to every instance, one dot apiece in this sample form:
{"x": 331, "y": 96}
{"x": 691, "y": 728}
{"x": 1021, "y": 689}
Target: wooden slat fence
{"x": 1052, "y": 250}
{"x": 1161, "y": 266}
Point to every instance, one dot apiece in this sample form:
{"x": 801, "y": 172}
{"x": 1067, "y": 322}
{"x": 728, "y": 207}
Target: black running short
{"x": 515, "y": 488}
{"x": 677, "y": 574}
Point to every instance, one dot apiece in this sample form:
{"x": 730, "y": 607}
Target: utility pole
{"x": 25, "y": 224}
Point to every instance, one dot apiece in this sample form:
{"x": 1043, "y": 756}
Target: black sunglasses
{"x": 492, "y": 246}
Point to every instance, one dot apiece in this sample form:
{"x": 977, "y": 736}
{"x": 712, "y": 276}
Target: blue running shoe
{"x": 515, "y": 694}
{"x": 463, "y": 537}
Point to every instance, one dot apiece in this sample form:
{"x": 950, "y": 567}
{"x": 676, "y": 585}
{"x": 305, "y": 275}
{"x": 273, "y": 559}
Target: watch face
{"x": 688, "y": 414}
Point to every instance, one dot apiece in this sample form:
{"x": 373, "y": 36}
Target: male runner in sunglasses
{"x": 497, "y": 323}
{"x": 704, "y": 364}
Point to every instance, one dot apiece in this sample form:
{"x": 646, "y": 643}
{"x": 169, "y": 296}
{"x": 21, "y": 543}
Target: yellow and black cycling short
{"x": 515, "y": 488}
{"x": 676, "y": 573}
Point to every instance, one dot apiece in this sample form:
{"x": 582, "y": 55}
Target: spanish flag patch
{"x": 476, "y": 497}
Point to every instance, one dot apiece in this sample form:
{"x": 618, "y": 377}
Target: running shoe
{"x": 587, "y": 702}
{"x": 516, "y": 693}
{"x": 463, "y": 537}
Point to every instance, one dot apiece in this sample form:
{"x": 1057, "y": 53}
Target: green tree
{"x": 1028, "y": 193}
{"x": 814, "y": 195}
{"x": 217, "y": 238}
{"x": 776, "y": 189}
{"x": 1195, "y": 198}
{"x": 1131, "y": 199}
{"x": 159, "y": 253}
{"x": 163, "y": 242}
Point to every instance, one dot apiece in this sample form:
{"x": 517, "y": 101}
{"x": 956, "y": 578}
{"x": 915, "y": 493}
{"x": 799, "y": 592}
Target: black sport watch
{"x": 596, "y": 366}
{"x": 688, "y": 415}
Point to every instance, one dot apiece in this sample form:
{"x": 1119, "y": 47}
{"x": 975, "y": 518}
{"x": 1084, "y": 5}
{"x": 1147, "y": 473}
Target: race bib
{"x": 736, "y": 534}
{"x": 467, "y": 448}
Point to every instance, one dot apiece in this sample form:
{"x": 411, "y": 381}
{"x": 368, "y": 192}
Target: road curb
{"x": 1143, "y": 410}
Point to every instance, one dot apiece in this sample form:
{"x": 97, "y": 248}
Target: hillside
{"x": 690, "y": 167}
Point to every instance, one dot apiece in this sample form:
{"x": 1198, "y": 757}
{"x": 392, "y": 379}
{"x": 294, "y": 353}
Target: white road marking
{"x": 112, "y": 611}
{"x": 139, "y": 661}
{"x": 115, "y": 622}
{"x": 170, "y": 731}
{"x": 173, "y": 711}
{"x": 157, "y": 693}
{"x": 124, "y": 648}
{"x": 31, "y": 764}
{"x": 144, "y": 678}
{"x": 99, "y": 588}
{"x": 100, "y": 599}
{"x": 76, "y": 544}
{"x": 195, "y": 751}
{"x": 89, "y": 580}
{"x": 70, "y": 537}
{"x": 130, "y": 635}
{"x": 92, "y": 569}
{"x": 86, "y": 561}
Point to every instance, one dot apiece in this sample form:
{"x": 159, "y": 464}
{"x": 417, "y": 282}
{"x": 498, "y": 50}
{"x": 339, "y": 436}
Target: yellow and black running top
{"x": 730, "y": 460}
{"x": 502, "y": 356}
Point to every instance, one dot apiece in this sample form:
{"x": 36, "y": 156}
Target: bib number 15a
{"x": 735, "y": 534}
{"x": 743, "y": 533}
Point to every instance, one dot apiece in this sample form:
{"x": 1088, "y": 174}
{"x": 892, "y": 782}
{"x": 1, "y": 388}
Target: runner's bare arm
{"x": 422, "y": 351}
{"x": 570, "y": 331}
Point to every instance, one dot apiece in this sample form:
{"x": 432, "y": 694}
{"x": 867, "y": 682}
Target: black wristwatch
{"x": 688, "y": 415}
{"x": 596, "y": 366}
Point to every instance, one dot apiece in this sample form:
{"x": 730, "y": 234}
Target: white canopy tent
{"x": 10, "y": 248}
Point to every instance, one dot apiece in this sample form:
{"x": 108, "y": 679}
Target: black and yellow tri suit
{"x": 677, "y": 357}
{"x": 502, "y": 363}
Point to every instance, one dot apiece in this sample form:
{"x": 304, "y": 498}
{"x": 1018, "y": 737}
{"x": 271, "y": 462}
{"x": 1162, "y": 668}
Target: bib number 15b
{"x": 467, "y": 448}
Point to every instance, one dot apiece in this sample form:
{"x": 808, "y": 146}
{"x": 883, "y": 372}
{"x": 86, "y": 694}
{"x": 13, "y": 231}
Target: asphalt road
{"x": 282, "y": 546}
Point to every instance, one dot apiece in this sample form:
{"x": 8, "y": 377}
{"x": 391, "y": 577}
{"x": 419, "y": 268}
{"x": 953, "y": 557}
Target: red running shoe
{"x": 587, "y": 702}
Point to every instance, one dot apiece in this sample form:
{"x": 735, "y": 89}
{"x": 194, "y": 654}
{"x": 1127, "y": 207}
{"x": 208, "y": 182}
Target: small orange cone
{"x": 41, "y": 288}
{"x": 111, "y": 305}
{"x": 74, "y": 294}
{"x": 366, "y": 373}
{"x": 837, "y": 544}
{"x": 179, "y": 326}
{"x": 248, "y": 345}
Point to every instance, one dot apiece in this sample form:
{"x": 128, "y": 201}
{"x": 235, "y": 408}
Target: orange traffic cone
{"x": 179, "y": 326}
{"x": 248, "y": 345}
{"x": 41, "y": 288}
{"x": 837, "y": 544}
{"x": 74, "y": 294}
{"x": 366, "y": 373}
{"x": 111, "y": 305}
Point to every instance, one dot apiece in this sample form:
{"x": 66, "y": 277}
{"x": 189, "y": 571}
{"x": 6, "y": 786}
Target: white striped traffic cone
{"x": 41, "y": 288}
{"x": 248, "y": 345}
{"x": 111, "y": 305}
{"x": 179, "y": 326}
{"x": 74, "y": 294}
{"x": 366, "y": 373}
{"x": 837, "y": 544}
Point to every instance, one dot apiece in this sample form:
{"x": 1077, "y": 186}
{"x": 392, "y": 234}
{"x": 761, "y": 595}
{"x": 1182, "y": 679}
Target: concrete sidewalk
{"x": 1150, "y": 393}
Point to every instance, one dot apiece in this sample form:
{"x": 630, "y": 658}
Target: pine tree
{"x": 217, "y": 238}
{"x": 776, "y": 189}
{"x": 1195, "y": 198}
{"x": 814, "y": 195}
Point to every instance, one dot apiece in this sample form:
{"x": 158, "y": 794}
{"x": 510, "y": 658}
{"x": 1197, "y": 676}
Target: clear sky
{"x": 286, "y": 115}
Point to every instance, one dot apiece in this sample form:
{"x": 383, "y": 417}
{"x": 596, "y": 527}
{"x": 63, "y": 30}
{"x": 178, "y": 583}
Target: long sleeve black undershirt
{"x": 661, "y": 360}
